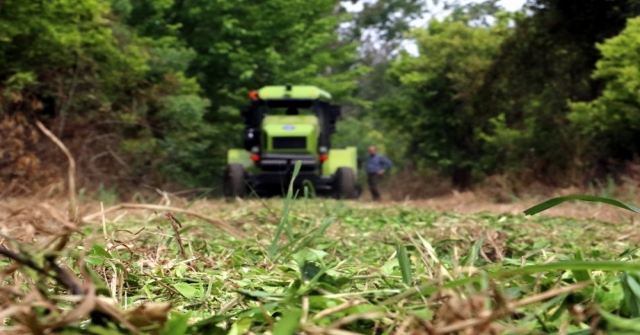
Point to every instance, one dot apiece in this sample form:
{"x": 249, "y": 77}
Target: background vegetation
{"x": 146, "y": 92}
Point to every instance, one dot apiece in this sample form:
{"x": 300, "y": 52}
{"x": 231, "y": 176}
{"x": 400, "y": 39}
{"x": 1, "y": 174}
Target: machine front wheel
{"x": 234, "y": 181}
{"x": 346, "y": 184}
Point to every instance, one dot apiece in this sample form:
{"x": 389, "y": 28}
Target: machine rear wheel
{"x": 346, "y": 183}
{"x": 234, "y": 181}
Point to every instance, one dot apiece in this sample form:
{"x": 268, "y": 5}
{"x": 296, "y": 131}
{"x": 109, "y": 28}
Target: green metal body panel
{"x": 337, "y": 158}
{"x": 296, "y": 92}
{"x": 239, "y": 156}
{"x": 291, "y": 126}
{"x": 347, "y": 157}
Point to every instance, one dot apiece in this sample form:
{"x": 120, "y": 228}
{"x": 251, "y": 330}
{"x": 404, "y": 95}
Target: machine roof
{"x": 302, "y": 92}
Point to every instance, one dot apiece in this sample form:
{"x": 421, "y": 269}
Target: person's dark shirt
{"x": 377, "y": 162}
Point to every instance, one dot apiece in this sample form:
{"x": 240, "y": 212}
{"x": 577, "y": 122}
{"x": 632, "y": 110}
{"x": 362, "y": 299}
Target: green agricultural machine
{"x": 283, "y": 125}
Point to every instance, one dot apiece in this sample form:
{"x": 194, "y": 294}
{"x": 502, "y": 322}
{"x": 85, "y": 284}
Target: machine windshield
{"x": 291, "y": 110}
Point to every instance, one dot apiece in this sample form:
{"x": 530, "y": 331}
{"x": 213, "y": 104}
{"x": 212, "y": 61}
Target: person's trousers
{"x": 372, "y": 179}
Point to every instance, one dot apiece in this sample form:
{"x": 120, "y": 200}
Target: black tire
{"x": 346, "y": 184}
{"x": 358, "y": 191}
{"x": 234, "y": 181}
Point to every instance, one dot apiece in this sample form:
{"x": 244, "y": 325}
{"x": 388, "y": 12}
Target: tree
{"x": 93, "y": 75}
{"x": 59, "y": 59}
{"x": 241, "y": 46}
{"x": 611, "y": 122}
{"x": 436, "y": 92}
{"x": 546, "y": 62}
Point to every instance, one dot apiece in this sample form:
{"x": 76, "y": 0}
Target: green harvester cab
{"x": 283, "y": 125}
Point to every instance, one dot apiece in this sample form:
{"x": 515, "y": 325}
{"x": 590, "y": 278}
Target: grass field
{"x": 315, "y": 267}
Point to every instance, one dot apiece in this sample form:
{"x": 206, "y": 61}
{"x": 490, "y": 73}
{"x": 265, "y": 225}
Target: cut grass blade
{"x": 308, "y": 239}
{"x": 333, "y": 278}
{"x": 557, "y": 201}
{"x": 429, "y": 288}
{"x": 570, "y": 266}
{"x": 216, "y": 222}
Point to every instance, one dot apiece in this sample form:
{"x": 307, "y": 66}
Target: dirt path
{"x": 464, "y": 203}
{"x": 469, "y": 203}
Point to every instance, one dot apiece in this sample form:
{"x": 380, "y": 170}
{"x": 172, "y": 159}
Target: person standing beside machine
{"x": 376, "y": 165}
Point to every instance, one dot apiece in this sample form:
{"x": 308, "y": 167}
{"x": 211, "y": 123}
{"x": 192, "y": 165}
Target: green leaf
{"x": 309, "y": 270}
{"x": 241, "y": 326}
{"x": 289, "y": 323}
{"x": 424, "y": 314}
{"x": 178, "y": 325}
{"x": 388, "y": 266}
{"x": 308, "y": 255}
{"x": 93, "y": 260}
{"x": 557, "y": 201}
{"x": 187, "y": 290}
{"x": 100, "y": 251}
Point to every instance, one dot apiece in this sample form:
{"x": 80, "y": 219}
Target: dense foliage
{"x": 147, "y": 92}
{"x": 613, "y": 119}
{"x": 437, "y": 92}
{"x": 485, "y": 99}
{"x": 163, "y": 79}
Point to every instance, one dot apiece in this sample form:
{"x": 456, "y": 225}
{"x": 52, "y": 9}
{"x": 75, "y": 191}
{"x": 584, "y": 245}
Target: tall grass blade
{"x": 631, "y": 290}
{"x": 581, "y": 275}
{"x": 284, "y": 220}
{"x": 404, "y": 263}
{"x": 617, "y": 323}
{"x": 557, "y": 201}
{"x": 471, "y": 258}
{"x": 309, "y": 189}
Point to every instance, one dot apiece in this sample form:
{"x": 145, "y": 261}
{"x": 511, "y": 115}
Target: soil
{"x": 470, "y": 203}
{"x": 463, "y": 203}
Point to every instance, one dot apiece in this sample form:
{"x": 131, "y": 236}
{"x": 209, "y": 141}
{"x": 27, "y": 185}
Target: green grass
{"x": 340, "y": 268}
